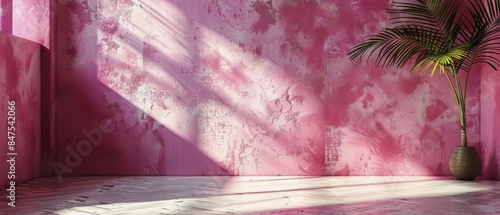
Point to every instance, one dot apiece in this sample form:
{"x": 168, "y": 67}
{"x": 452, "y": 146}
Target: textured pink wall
{"x": 242, "y": 88}
{"x": 28, "y": 19}
{"x": 34, "y": 20}
{"x": 490, "y": 122}
{"x": 31, "y": 20}
{"x": 6, "y": 16}
{"x": 20, "y": 82}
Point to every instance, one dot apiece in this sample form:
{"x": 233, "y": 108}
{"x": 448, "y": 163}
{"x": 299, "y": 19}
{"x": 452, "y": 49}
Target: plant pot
{"x": 465, "y": 163}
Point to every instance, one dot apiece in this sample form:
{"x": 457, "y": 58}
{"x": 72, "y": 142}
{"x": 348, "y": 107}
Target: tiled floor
{"x": 255, "y": 195}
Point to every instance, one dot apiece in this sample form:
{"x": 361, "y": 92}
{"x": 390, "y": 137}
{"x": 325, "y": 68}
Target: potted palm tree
{"x": 447, "y": 36}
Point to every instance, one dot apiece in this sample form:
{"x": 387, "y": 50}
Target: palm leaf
{"x": 445, "y": 35}
{"x": 435, "y": 15}
{"x": 485, "y": 36}
{"x": 395, "y": 46}
{"x": 425, "y": 28}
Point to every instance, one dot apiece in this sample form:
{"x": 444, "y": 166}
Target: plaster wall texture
{"x": 490, "y": 122}
{"x": 233, "y": 87}
{"x": 19, "y": 83}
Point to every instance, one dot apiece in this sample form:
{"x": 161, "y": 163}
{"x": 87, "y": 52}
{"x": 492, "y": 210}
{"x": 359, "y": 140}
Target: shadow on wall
{"x": 261, "y": 88}
{"x": 111, "y": 145}
{"x": 174, "y": 111}
{"x": 492, "y": 168}
{"x": 116, "y": 137}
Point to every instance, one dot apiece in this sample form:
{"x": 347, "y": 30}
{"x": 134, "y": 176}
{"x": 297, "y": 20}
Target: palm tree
{"x": 449, "y": 36}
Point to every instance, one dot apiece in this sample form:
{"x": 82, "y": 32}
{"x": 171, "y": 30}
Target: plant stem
{"x": 461, "y": 110}
{"x": 459, "y": 98}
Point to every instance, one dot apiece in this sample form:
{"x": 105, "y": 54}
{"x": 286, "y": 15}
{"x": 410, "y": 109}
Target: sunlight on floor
{"x": 263, "y": 194}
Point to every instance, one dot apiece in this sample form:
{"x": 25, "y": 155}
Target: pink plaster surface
{"x": 490, "y": 122}
{"x": 28, "y": 19}
{"x": 31, "y": 20}
{"x": 34, "y": 20}
{"x": 6, "y": 16}
{"x": 233, "y": 87}
{"x": 20, "y": 82}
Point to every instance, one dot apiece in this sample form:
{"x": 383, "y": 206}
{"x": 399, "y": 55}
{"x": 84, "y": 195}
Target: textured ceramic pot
{"x": 465, "y": 163}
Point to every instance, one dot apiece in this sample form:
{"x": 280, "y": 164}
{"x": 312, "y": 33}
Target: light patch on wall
{"x": 143, "y": 96}
{"x": 150, "y": 148}
{"x": 329, "y": 7}
{"x": 371, "y": 100}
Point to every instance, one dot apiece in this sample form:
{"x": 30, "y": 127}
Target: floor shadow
{"x": 469, "y": 203}
{"x": 242, "y": 195}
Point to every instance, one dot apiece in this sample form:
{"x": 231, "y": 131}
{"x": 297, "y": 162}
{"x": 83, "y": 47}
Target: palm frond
{"x": 437, "y": 15}
{"x": 485, "y": 35}
{"x": 396, "y": 46}
{"x": 445, "y": 35}
{"x": 442, "y": 60}
{"x": 424, "y": 28}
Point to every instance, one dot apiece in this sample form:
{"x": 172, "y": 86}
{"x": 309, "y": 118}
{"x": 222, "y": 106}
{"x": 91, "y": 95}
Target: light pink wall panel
{"x": 31, "y": 20}
{"x": 233, "y": 87}
{"x": 19, "y": 82}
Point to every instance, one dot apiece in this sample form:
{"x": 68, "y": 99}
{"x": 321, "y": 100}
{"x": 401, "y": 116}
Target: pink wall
{"x": 490, "y": 122}
{"x": 34, "y": 21}
{"x": 234, "y": 87}
{"x": 26, "y": 19}
{"x": 6, "y": 16}
{"x": 31, "y": 20}
{"x": 20, "y": 82}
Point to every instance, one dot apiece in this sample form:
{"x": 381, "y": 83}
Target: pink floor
{"x": 257, "y": 195}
